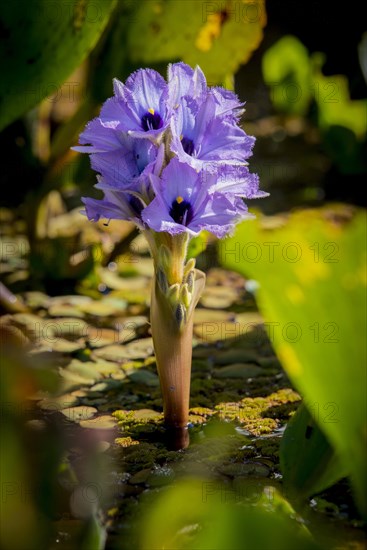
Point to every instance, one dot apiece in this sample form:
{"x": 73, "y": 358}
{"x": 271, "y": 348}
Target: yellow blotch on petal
{"x": 179, "y": 200}
{"x": 151, "y": 111}
{"x": 289, "y": 359}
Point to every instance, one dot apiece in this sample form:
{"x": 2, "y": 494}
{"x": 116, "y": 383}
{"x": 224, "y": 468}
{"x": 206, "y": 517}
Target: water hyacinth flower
{"x": 187, "y": 202}
{"x": 171, "y": 157}
{"x": 205, "y": 139}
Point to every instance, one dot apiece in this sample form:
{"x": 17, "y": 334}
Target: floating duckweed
{"x": 125, "y": 442}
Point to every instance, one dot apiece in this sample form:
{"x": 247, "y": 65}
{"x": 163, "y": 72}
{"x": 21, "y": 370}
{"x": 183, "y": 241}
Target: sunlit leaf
{"x": 197, "y": 245}
{"x": 295, "y": 79}
{"x": 335, "y": 108}
{"x": 311, "y": 270}
{"x": 218, "y": 36}
{"x": 286, "y": 69}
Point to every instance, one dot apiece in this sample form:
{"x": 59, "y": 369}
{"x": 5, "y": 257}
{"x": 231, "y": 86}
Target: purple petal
{"x": 224, "y": 141}
{"x": 227, "y": 104}
{"x": 120, "y": 112}
{"x": 217, "y": 217}
{"x": 237, "y": 180}
{"x": 96, "y": 209}
{"x": 184, "y": 81}
{"x": 146, "y": 87}
{"x": 101, "y": 137}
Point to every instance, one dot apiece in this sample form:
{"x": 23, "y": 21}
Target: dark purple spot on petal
{"x": 136, "y": 205}
{"x": 181, "y": 212}
{"x": 151, "y": 121}
{"x": 188, "y": 146}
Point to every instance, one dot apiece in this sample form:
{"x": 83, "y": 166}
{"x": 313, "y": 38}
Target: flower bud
{"x": 190, "y": 278}
{"x": 173, "y": 293}
{"x": 185, "y": 296}
{"x": 189, "y": 266}
{"x": 180, "y": 314}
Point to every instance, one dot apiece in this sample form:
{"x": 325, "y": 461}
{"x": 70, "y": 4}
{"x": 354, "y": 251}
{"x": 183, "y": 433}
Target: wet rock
{"x": 160, "y": 476}
{"x": 146, "y": 377}
{"x": 140, "y": 478}
{"x": 233, "y": 355}
{"x": 58, "y": 403}
{"x": 218, "y": 297}
{"x": 105, "y": 422}
{"x": 253, "y": 469}
{"x": 76, "y": 414}
{"x": 239, "y": 370}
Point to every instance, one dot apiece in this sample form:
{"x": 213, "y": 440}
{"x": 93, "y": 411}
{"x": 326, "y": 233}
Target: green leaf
{"x": 345, "y": 149}
{"x": 217, "y": 36}
{"x": 335, "y": 108}
{"x": 113, "y": 51}
{"x": 197, "y": 245}
{"x": 309, "y": 463}
{"x": 93, "y": 536}
{"x": 42, "y": 43}
{"x": 311, "y": 270}
{"x": 287, "y": 70}
{"x": 206, "y": 514}
{"x": 296, "y": 79}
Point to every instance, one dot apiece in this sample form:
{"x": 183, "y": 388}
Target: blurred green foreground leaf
{"x": 203, "y": 514}
{"x": 309, "y": 463}
{"x": 311, "y": 270}
{"x": 42, "y": 43}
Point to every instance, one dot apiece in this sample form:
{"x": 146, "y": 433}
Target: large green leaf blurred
{"x": 296, "y": 78}
{"x": 197, "y": 245}
{"x": 218, "y": 36}
{"x": 335, "y": 107}
{"x": 42, "y": 43}
{"x": 311, "y": 269}
{"x": 309, "y": 463}
{"x": 286, "y": 69}
{"x": 209, "y": 514}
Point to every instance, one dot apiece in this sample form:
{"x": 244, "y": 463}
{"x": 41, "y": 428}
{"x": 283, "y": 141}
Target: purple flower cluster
{"x": 171, "y": 156}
